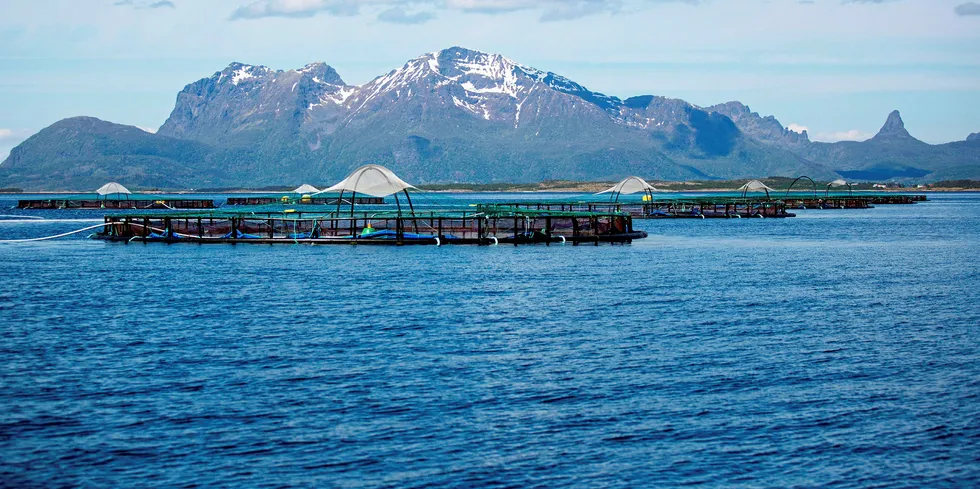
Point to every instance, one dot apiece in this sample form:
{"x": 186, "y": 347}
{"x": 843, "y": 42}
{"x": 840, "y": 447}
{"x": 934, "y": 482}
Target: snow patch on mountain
{"x": 242, "y": 74}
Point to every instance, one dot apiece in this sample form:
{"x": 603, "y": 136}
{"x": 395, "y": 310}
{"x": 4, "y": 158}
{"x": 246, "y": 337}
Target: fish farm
{"x": 674, "y": 208}
{"x": 304, "y": 200}
{"x": 373, "y": 206}
{"x": 133, "y": 202}
{"x": 706, "y": 207}
{"x": 503, "y": 226}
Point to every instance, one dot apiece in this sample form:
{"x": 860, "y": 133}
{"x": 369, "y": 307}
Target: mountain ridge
{"x": 450, "y": 116}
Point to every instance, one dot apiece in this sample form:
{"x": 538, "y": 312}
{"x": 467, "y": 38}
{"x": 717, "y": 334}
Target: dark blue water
{"x": 839, "y": 348}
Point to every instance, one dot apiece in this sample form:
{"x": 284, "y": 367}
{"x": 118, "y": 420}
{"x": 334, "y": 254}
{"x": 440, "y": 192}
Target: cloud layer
{"x": 8, "y": 136}
{"x": 397, "y": 11}
{"x": 969, "y": 8}
{"x": 831, "y": 137}
{"x": 145, "y": 4}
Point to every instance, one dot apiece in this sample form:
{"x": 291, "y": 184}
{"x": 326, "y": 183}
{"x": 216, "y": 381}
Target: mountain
{"x": 454, "y": 115}
{"x": 462, "y": 115}
{"x": 84, "y": 153}
{"x": 892, "y": 154}
{"x": 765, "y": 129}
{"x": 973, "y": 137}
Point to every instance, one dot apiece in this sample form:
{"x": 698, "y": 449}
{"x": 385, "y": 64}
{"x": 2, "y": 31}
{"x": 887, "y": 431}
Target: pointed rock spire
{"x": 894, "y": 128}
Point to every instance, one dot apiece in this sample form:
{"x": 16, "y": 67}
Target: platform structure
{"x": 662, "y": 207}
{"x": 115, "y": 196}
{"x": 402, "y": 225}
{"x": 449, "y": 226}
{"x": 302, "y": 200}
{"x": 851, "y": 201}
{"x": 825, "y": 199}
{"x": 133, "y": 202}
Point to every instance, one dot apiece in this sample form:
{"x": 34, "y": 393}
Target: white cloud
{"x": 833, "y": 137}
{"x": 551, "y": 10}
{"x": 145, "y": 4}
{"x": 13, "y": 136}
{"x": 398, "y": 15}
{"x": 150, "y": 130}
{"x": 296, "y": 8}
{"x": 969, "y": 8}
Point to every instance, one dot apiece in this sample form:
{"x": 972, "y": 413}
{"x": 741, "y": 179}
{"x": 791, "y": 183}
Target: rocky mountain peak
{"x": 766, "y": 129}
{"x": 458, "y": 62}
{"x": 733, "y": 109}
{"x": 321, "y": 72}
{"x": 481, "y": 74}
{"x": 894, "y": 128}
{"x": 237, "y": 73}
{"x": 973, "y": 137}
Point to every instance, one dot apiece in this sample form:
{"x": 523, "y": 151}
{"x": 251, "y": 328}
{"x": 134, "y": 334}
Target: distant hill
{"x": 892, "y": 154}
{"x": 451, "y": 116}
{"x": 84, "y": 153}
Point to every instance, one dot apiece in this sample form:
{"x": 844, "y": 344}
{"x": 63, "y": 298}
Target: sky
{"x": 834, "y": 67}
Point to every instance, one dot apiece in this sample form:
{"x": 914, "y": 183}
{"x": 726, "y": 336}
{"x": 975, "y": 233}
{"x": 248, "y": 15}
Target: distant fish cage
{"x": 685, "y": 208}
{"x": 267, "y": 200}
{"x": 382, "y": 228}
{"x": 92, "y": 202}
{"x": 859, "y": 201}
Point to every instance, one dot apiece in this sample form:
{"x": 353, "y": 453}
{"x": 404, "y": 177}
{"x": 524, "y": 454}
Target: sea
{"x": 835, "y": 349}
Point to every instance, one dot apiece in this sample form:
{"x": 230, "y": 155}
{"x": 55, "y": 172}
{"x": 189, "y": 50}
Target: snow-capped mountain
{"x": 243, "y": 101}
{"x": 451, "y": 115}
{"x": 455, "y": 82}
{"x": 483, "y": 85}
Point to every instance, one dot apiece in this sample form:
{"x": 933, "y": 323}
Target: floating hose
{"x": 62, "y": 235}
{"x": 21, "y": 217}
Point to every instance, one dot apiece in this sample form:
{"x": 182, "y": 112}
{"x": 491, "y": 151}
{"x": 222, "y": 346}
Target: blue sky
{"x": 836, "y": 67}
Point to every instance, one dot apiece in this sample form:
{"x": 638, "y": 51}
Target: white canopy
{"x": 754, "y": 186}
{"x": 112, "y": 188}
{"x": 373, "y": 180}
{"x": 305, "y": 189}
{"x": 630, "y": 185}
{"x": 838, "y": 183}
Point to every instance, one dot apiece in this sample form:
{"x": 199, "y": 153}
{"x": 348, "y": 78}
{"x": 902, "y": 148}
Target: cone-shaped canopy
{"x": 838, "y": 183}
{"x": 373, "y": 180}
{"x": 112, "y": 188}
{"x": 629, "y": 185}
{"x": 305, "y": 189}
{"x": 754, "y": 186}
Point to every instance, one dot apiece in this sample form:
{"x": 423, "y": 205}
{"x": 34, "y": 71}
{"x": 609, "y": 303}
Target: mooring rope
{"x": 21, "y": 217}
{"x": 62, "y": 235}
